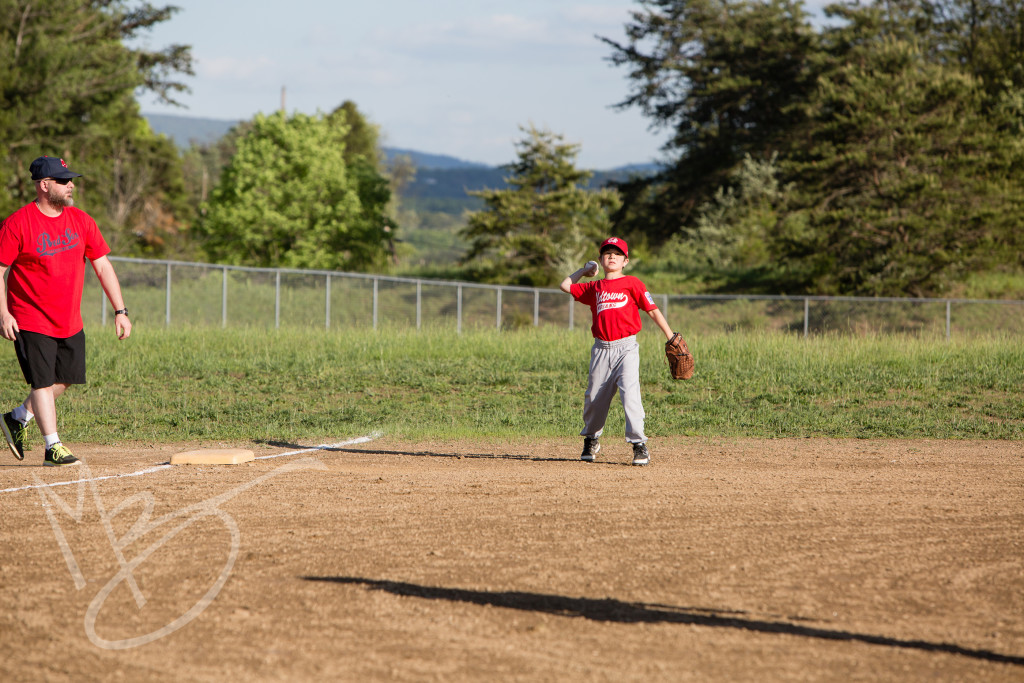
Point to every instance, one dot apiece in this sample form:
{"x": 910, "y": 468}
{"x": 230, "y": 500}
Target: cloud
{"x": 568, "y": 33}
{"x": 231, "y": 68}
{"x": 600, "y": 17}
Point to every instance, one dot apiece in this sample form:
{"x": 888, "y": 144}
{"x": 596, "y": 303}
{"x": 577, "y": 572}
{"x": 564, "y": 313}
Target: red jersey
{"x": 615, "y": 305}
{"x": 47, "y": 267}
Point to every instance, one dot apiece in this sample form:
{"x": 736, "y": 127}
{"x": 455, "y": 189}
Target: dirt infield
{"x": 732, "y": 560}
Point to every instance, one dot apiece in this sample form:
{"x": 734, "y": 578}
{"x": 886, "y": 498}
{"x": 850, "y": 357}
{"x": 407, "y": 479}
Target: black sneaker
{"x": 590, "y": 448}
{"x": 14, "y": 432}
{"x": 59, "y": 455}
{"x": 641, "y": 456}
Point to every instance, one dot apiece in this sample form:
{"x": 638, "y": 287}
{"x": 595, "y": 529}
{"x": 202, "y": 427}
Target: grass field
{"x": 166, "y": 385}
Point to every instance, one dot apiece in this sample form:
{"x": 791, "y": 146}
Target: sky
{"x": 454, "y": 77}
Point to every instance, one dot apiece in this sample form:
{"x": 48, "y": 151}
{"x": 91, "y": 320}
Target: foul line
{"x": 158, "y": 468}
{"x": 324, "y": 447}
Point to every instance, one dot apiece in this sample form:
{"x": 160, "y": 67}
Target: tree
{"x": 288, "y": 199}
{"x": 728, "y": 78}
{"x": 377, "y": 187}
{"x": 896, "y": 131}
{"x": 546, "y": 223}
{"x": 362, "y": 138}
{"x": 908, "y": 178}
{"x": 67, "y": 84}
{"x": 734, "y": 229}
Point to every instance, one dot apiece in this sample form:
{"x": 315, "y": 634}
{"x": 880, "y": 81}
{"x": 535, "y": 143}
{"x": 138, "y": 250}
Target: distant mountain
{"x": 455, "y": 183}
{"x": 432, "y": 161}
{"x": 186, "y": 130}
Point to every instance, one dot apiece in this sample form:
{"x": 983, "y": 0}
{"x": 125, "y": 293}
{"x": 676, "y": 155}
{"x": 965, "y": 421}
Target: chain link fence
{"x": 199, "y": 294}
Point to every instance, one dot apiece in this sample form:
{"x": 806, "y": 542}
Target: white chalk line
{"x": 324, "y": 447}
{"x": 158, "y": 468}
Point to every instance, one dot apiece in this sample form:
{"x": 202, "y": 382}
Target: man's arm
{"x": 8, "y": 325}
{"x": 108, "y": 280}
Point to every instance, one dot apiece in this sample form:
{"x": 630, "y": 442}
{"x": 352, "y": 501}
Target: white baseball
{"x": 590, "y": 269}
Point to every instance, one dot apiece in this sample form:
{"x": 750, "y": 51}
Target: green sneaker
{"x": 59, "y": 455}
{"x": 14, "y": 432}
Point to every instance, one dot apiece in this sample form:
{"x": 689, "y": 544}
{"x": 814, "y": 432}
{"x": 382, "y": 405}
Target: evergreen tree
{"x": 897, "y": 130}
{"x": 362, "y": 138}
{"x": 546, "y": 223}
{"x": 908, "y": 182}
{"x": 67, "y": 85}
{"x": 728, "y": 78}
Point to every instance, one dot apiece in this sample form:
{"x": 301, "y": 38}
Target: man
{"x": 43, "y": 248}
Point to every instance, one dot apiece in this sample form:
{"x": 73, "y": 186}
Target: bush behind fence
{"x": 198, "y": 294}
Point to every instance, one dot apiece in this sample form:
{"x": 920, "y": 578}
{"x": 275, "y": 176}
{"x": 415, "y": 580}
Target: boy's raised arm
{"x": 588, "y": 270}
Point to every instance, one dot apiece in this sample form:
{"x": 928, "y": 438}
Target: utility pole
{"x": 283, "y": 109}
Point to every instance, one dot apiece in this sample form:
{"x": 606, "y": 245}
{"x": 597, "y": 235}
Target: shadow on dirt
{"x": 427, "y": 454}
{"x": 617, "y": 611}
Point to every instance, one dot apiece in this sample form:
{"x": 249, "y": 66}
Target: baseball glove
{"x": 680, "y": 360}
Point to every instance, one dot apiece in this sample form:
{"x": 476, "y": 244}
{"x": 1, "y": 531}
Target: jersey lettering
{"x": 611, "y": 300}
{"x": 48, "y": 246}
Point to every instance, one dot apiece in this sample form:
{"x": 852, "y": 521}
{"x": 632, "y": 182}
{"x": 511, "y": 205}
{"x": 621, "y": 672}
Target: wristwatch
{"x": 121, "y": 311}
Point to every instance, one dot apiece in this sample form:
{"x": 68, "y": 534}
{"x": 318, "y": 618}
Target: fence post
{"x": 947, "y": 318}
{"x": 807, "y": 308}
{"x": 277, "y": 300}
{"x": 223, "y": 297}
{"x": 327, "y": 303}
{"x": 167, "y": 298}
{"x": 497, "y": 313}
{"x": 536, "y": 307}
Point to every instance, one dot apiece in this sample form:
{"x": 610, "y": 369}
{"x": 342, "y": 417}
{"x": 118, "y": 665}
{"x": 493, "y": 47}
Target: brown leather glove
{"x": 680, "y": 360}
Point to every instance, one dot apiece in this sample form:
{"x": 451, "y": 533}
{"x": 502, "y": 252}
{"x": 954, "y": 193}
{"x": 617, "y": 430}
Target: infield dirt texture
{"x": 725, "y": 560}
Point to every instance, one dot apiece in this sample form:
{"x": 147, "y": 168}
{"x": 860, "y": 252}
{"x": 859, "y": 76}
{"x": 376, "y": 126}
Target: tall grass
{"x": 210, "y": 384}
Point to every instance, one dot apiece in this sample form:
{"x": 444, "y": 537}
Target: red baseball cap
{"x": 616, "y": 242}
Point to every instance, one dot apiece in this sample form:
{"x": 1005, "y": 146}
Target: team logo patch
{"x": 650, "y": 299}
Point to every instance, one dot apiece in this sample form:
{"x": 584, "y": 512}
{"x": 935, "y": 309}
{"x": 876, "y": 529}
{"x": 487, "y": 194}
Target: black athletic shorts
{"x": 46, "y": 360}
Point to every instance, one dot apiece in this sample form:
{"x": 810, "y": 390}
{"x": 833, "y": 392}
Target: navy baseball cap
{"x": 51, "y": 167}
{"x": 616, "y": 242}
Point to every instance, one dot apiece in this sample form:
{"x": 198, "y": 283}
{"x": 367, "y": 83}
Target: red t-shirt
{"x": 615, "y": 305}
{"x": 47, "y": 259}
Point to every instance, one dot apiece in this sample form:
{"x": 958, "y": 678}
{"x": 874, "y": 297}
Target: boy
{"x": 615, "y": 303}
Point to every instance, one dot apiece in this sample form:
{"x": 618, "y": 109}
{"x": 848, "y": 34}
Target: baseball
{"x": 590, "y": 269}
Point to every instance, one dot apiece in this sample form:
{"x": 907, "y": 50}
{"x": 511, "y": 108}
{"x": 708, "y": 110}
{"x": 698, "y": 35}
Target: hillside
{"x": 186, "y": 130}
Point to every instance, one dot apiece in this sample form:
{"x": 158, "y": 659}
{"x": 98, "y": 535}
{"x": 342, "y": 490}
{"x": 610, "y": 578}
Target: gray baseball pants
{"x": 614, "y": 366}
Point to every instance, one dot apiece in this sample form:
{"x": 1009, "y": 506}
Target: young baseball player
{"x": 615, "y": 304}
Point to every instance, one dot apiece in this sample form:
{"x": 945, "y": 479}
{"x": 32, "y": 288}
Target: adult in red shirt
{"x": 615, "y": 304}
{"x": 43, "y": 249}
